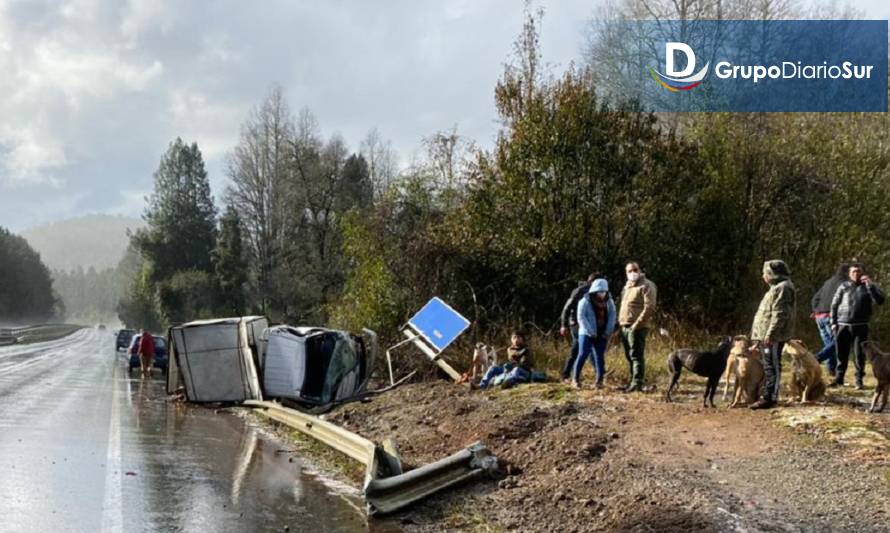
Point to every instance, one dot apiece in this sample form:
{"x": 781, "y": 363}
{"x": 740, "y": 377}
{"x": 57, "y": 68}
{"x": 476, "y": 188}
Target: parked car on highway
{"x": 123, "y": 338}
{"x": 160, "y": 353}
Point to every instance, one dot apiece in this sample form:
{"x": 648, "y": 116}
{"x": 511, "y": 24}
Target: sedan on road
{"x": 160, "y": 353}
{"x": 123, "y": 338}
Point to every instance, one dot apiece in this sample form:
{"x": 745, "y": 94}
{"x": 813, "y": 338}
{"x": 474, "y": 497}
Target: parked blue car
{"x": 160, "y": 352}
{"x": 123, "y": 338}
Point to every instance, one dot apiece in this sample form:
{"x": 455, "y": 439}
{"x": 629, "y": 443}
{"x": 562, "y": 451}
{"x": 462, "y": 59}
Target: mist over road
{"x": 86, "y": 448}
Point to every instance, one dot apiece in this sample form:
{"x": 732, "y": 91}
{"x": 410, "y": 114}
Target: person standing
{"x": 851, "y": 310}
{"x": 596, "y": 322}
{"x": 146, "y": 352}
{"x": 638, "y": 300}
{"x": 568, "y": 321}
{"x": 772, "y": 328}
{"x": 821, "y": 306}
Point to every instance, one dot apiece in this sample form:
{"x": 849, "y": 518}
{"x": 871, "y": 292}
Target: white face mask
{"x": 633, "y": 276}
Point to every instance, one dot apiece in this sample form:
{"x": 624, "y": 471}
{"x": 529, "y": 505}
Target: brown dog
{"x": 806, "y": 374}
{"x": 740, "y": 344}
{"x": 748, "y": 374}
{"x": 880, "y": 366}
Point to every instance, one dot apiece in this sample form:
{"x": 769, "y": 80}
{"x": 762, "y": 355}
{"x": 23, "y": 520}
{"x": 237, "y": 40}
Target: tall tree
{"x": 180, "y": 233}
{"x": 259, "y": 169}
{"x": 356, "y": 189}
{"x": 181, "y": 216}
{"x": 381, "y": 158}
{"x": 231, "y": 263}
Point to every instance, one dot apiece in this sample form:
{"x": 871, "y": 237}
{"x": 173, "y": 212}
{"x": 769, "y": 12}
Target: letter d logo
{"x": 674, "y": 80}
{"x": 670, "y": 50}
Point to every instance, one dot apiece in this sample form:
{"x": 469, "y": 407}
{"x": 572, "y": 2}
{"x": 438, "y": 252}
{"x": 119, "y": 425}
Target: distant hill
{"x": 93, "y": 240}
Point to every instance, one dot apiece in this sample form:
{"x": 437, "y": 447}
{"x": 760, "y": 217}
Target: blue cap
{"x": 599, "y": 285}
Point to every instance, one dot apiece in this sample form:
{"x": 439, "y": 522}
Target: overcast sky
{"x": 94, "y": 90}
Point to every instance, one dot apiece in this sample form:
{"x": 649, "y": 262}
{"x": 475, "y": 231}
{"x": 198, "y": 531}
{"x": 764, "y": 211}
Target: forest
{"x": 26, "y": 292}
{"x": 313, "y": 231}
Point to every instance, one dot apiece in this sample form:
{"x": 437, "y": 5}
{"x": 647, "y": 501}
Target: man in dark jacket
{"x": 851, "y": 310}
{"x": 569, "y": 321}
{"x": 821, "y": 306}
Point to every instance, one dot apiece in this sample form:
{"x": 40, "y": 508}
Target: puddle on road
{"x": 197, "y": 469}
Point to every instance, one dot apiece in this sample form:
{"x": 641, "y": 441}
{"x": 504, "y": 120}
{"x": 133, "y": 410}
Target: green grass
{"x": 326, "y": 457}
{"x": 551, "y": 354}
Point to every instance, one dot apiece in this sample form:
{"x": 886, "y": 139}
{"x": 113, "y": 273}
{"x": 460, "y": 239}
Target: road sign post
{"x": 432, "y": 330}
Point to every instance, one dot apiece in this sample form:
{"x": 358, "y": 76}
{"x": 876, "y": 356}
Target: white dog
{"x": 484, "y": 357}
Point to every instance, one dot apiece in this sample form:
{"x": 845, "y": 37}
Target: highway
{"x": 86, "y": 448}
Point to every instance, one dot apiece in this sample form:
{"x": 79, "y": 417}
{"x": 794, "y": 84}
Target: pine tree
{"x": 356, "y": 189}
{"x": 180, "y": 235}
{"x": 181, "y": 217}
{"x": 230, "y": 263}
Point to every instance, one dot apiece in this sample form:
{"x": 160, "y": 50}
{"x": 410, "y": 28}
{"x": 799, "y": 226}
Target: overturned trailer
{"x": 317, "y": 366}
{"x": 217, "y": 360}
{"x": 238, "y": 359}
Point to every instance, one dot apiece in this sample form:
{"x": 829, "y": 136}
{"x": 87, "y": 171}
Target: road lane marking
{"x": 112, "y": 509}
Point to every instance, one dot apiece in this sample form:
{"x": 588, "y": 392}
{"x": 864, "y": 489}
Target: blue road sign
{"x": 438, "y": 323}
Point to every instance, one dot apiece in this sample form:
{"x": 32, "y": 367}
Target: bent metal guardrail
{"x": 386, "y": 487}
{"x": 385, "y": 495}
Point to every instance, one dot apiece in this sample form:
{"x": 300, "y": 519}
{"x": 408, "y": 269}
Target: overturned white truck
{"x": 317, "y": 366}
{"x": 238, "y": 359}
{"x": 217, "y": 360}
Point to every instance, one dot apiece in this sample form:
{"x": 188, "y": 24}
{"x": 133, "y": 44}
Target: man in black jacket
{"x": 821, "y": 306}
{"x": 851, "y": 310}
{"x": 569, "y": 321}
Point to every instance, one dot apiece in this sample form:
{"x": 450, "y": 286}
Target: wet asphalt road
{"x": 86, "y": 448}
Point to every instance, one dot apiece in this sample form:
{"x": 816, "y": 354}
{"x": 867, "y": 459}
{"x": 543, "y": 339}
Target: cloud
{"x": 132, "y": 203}
{"x": 94, "y": 90}
{"x": 25, "y": 160}
{"x": 141, "y": 15}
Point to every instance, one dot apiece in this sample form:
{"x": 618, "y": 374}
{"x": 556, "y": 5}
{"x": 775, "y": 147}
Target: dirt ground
{"x": 609, "y": 461}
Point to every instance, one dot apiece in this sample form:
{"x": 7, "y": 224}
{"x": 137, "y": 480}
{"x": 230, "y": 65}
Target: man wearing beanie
{"x": 773, "y": 326}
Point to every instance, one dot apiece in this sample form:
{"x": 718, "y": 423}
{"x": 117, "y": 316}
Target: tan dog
{"x": 806, "y": 374}
{"x": 745, "y": 369}
{"x": 880, "y": 366}
{"x": 740, "y": 344}
{"x": 749, "y": 376}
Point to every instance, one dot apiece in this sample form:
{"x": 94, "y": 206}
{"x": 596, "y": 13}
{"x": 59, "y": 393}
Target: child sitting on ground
{"x": 518, "y": 368}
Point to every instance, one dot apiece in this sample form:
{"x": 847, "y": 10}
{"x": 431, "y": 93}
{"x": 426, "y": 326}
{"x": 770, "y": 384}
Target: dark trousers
{"x": 570, "y": 363}
{"x": 851, "y": 337}
{"x": 772, "y": 371}
{"x": 634, "y": 343}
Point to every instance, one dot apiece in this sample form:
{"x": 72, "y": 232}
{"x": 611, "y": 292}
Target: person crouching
{"x": 518, "y": 368}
